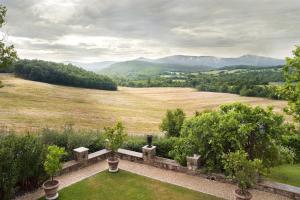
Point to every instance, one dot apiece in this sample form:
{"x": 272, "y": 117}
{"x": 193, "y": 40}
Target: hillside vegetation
{"x": 27, "y": 104}
{"x": 57, "y": 73}
{"x": 137, "y": 67}
{"x": 243, "y": 80}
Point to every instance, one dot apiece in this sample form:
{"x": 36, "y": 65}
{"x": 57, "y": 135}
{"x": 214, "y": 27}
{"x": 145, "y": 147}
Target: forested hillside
{"x": 243, "y": 80}
{"x": 58, "y": 73}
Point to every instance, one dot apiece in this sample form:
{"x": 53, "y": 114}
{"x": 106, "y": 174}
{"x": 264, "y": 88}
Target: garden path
{"x": 223, "y": 190}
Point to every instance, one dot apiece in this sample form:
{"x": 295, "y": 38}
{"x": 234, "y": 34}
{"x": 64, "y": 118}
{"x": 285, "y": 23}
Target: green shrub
{"x": 163, "y": 145}
{"x": 234, "y": 127}
{"x": 52, "y": 164}
{"x": 172, "y": 122}
{"x": 22, "y": 167}
{"x": 241, "y": 169}
{"x": 114, "y": 137}
{"x": 292, "y": 141}
{"x": 70, "y": 139}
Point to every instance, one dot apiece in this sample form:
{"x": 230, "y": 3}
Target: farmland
{"x": 28, "y": 105}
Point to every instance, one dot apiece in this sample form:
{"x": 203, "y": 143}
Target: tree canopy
{"x": 7, "y": 53}
{"x": 234, "y": 127}
{"x": 58, "y": 73}
{"x": 292, "y": 86}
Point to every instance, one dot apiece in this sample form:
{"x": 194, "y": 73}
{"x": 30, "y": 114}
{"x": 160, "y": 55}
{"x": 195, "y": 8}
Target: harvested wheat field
{"x": 29, "y": 105}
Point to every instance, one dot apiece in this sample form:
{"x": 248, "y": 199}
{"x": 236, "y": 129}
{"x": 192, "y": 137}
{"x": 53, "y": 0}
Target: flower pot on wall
{"x": 113, "y": 164}
{"x": 240, "y": 196}
{"x": 51, "y": 188}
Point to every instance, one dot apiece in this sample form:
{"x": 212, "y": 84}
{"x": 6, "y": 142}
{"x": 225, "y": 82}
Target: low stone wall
{"x": 168, "y": 164}
{"x": 281, "y": 189}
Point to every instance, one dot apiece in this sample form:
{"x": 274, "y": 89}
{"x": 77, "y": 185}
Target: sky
{"x": 99, "y": 30}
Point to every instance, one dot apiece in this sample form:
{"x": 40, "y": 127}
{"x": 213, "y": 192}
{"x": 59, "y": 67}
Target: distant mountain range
{"x": 176, "y": 63}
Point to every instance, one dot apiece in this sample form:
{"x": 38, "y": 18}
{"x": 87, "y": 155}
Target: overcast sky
{"x": 97, "y": 30}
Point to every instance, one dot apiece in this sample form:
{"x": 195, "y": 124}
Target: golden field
{"x": 28, "y": 105}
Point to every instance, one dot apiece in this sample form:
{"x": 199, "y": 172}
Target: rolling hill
{"x": 182, "y": 63}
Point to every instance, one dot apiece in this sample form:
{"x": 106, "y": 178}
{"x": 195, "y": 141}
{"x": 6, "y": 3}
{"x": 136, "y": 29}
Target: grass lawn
{"x": 28, "y": 105}
{"x": 128, "y": 186}
{"x": 288, "y": 174}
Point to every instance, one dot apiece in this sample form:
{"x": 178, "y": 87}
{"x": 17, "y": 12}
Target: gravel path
{"x": 203, "y": 185}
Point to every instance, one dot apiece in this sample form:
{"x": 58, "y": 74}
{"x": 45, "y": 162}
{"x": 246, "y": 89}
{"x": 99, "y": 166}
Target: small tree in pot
{"x": 243, "y": 171}
{"x": 52, "y": 166}
{"x": 115, "y": 137}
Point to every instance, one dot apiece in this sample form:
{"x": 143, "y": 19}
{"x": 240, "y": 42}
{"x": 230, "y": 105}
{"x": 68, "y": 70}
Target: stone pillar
{"x": 193, "y": 162}
{"x": 81, "y": 154}
{"x": 149, "y": 153}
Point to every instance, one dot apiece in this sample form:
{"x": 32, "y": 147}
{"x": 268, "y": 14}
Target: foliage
{"x": 240, "y": 168}
{"x": 172, "y": 122}
{"x": 114, "y": 137}
{"x": 58, "y": 73}
{"x": 22, "y": 168}
{"x": 7, "y": 53}
{"x": 234, "y": 127}
{"x": 70, "y": 138}
{"x": 292, "y": 85}
{"x": 292, "y": 141}
{"x": 243, "y": 80}
{"x": 52, "y": 164}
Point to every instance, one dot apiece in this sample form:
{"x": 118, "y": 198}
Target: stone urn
{"x": 239, "y": 196}
{"x": 51, "y": 187}
{"x": 113, "y": 164}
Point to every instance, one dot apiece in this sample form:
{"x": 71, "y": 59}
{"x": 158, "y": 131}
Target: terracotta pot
{"x": 50, "y": 188}
{"x": 239, "y": 196}
{"x": 113, "y": 164}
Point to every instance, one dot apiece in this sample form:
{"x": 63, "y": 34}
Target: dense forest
{"x": 57, "y": 73}
{"x": 243, "y": 80}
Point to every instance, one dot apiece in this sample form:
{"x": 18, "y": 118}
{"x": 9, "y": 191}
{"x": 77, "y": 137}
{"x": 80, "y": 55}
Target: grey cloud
{"x": 269, "y": 27}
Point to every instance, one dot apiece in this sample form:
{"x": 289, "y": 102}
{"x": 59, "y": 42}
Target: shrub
{"x": 70, "y": 138}
{"x": 292, "y": 141}
{"x": 234, "y": 127}
{"x": 52, "y": 164}
{"x": 114, "y": 137}
{"x": 240, "y": 168}
{"x": 163, "y": 145}
{"x": 23, "y": 156}
{"x": 172, "y": 122}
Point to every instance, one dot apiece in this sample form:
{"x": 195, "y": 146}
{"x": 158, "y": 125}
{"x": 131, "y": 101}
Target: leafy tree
{"x": 173, "y": 122}
{"x": 7, "y": 53}
{"x": 115, "y": 137}
{"x": 292, "y": 85}
{"x": 234, "y": 127}
{"x": 240, "y": 168}
{"x": 52, "y": 163}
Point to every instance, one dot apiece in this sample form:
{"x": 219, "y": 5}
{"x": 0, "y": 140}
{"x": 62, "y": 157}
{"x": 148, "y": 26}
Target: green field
{"x": 127, "y": 186}
{"x": 288, "y": 174}
{"x": 28, "y": 105}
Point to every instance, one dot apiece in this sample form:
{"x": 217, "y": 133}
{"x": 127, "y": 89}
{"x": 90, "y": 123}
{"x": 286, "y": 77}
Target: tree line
{"x": 245, "y": 81}
{"x": 61, "y": 74}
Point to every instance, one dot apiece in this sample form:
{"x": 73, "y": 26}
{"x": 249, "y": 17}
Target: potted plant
{"x": 243, "y": 171}
{"x": 115, "y": 137}
{"x": 52, "y": 166}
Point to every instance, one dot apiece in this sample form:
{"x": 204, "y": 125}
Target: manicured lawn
{"x": 127, "y": 186}
{"x": 288, "y": 174}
